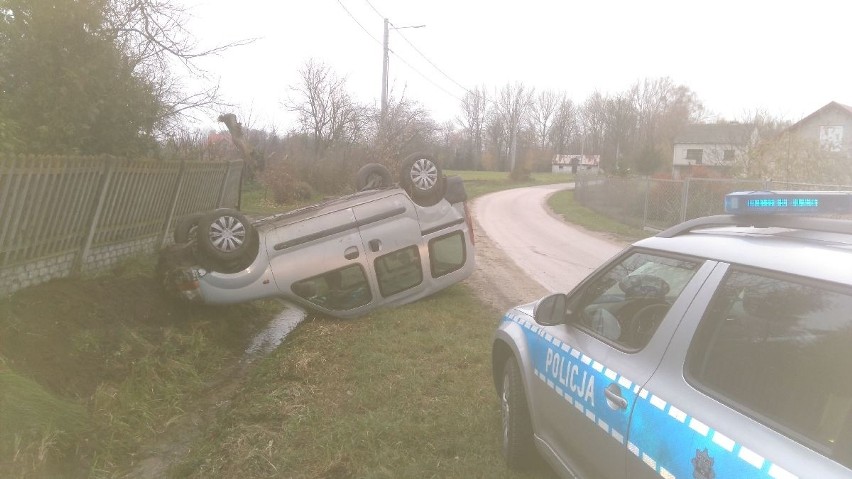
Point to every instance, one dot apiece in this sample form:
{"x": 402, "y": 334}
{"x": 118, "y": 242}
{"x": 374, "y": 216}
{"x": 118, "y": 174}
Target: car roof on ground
{"x": 811, "y": 254}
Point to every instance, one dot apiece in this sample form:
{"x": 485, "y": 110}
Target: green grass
{"x": 99, "y": 367}
{"x": 405, "y": 392}
{"x": 562, "y": 203}
{"x": 256, "y": 200}
{"x": 93, "y": 368}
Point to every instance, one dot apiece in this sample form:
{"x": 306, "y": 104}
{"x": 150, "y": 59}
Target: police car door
{"x": 754, "y": 385}
{"x": 590, "y": 374}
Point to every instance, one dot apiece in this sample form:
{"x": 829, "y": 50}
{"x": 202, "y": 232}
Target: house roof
{"x": 718, "y": 133}
{"x": 845, "y": 109}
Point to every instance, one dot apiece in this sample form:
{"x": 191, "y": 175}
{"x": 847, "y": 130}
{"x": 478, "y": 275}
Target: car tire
{"x": 186, "y": 228}
{"x": 517, "y": 444}
{"x": 423, "y": 178}
{"x": 373, "y": 176}
{"x": 226, "y": 237}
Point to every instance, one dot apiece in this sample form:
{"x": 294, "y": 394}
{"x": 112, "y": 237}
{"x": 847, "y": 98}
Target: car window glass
{"x": 341, "y": 289}
{"x": 398, "y": 271}
{"x": 446, "y": 254}
{"x": 782, "y": 351}
{"x": 627, "y": 303}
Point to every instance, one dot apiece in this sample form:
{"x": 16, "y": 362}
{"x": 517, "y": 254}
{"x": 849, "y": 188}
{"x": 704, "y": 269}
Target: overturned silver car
{"x": 384, "y": 245}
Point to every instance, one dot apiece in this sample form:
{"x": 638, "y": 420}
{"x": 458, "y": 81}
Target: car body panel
{"x": 308, "y": 248}
{"x": 671, "y": 427}
{"x": 680, "y": 429}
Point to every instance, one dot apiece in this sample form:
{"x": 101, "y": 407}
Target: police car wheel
{"x": 517, "y": 428}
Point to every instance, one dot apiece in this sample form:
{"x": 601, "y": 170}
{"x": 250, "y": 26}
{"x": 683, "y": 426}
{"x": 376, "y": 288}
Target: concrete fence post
{"x": 684, "y": 200}
{"x": 647, "y": 194}
{"x": 109, "y": 167}
{"x": 224, "y": 185}
{"x": 173, "y": 205}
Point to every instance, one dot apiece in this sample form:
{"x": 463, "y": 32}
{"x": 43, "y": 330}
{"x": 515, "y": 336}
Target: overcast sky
{"x": 786, "y": 58}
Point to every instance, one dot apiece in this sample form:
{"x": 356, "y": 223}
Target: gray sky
{"x": 787, "y": 58}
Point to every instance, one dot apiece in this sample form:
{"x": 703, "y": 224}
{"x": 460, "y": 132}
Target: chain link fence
{"x": 657, "y": 204}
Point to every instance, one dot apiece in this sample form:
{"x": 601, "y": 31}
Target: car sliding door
{"x": 394, "y": 247}
{"x": 320, "y": 261}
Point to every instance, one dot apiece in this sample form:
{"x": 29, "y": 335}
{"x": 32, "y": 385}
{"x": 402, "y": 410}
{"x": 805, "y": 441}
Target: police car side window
{"x": 780, "y": 350}
{"x": 627, "y": 303}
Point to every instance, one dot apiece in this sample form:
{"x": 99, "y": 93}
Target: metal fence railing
{"x": 659, "y": 203}
{"x": 52, "y": 205}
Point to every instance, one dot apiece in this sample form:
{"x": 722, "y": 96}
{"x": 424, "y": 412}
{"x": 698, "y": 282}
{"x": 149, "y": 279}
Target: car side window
{"x": 780, "y": 350}
{"x": 398, "y": 271}
{"x": 338, "y": 290}
{"x": 627, "y": 303}
{"x": 447, "y": 254}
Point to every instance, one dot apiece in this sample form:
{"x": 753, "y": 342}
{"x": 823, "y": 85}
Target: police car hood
{"x": 526, "y": 309}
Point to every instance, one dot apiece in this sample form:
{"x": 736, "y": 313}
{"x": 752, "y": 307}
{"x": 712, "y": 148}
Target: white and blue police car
{"x": 719, "y": 348}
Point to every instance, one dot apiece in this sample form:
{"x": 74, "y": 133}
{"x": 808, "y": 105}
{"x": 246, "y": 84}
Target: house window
{"x": 830, "y": 137}
{"x": 695, "y": 154}
{"x": 729, "y": 155}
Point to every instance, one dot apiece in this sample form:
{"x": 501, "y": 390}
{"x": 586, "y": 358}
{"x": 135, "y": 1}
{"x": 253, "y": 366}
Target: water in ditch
{"x": 273, "y": 335}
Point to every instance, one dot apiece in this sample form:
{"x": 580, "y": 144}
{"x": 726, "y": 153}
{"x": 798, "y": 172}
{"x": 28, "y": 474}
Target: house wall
{"x": 809, "y": 129}
{"x": 714, "y": 154}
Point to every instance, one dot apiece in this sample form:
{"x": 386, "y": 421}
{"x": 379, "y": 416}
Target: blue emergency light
{"x": 788, "y": 202}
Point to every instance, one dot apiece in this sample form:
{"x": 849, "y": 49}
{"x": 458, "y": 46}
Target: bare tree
{"x": 542, "y": 112}
{"x": 564, "y": 128}
{"x": 324, "y": 108}
{"x": 405, "y": 128}
{"x": 153, "y": 37}
{"x": 513, "y": 103}
{"x": 621, "y": 124}
{"x": 474, "y": 110}
{"x": 593, "y": 124}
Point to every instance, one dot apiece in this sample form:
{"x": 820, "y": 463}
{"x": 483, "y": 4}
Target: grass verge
{"x": 563, "y": 203}
{"x": 92, "y": 368}
{"x": 405, "y": 392}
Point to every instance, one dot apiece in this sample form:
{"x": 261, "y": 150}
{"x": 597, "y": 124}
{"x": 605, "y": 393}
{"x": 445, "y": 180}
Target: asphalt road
{"x": 555, "y": 254}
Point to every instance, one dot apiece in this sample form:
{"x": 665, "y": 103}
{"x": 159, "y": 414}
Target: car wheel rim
{"x": 227, "y": 234}
{"x": 424, "y": 174}
{"x": 505, "y": 410}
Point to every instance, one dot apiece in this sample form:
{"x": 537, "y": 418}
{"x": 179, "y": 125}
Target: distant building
{"x": 716, "y": 147}
{"x": 575, "y": 163}
{"x": 830, "y": 128}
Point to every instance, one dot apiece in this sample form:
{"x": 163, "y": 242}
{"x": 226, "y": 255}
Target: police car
{"x": 720, "y": 348}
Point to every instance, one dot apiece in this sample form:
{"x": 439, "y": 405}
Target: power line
{"x": 374, "y": 9}
{"x": 448, "y": 77}
{"x": 403, "y": 60}
{"x": 356, "y": 21}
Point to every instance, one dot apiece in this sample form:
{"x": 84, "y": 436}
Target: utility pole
{"x": 385, "y": 72}
{"x": 386, "y": 61}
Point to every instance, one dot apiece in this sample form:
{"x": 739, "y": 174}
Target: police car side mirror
{"x": 551, "y": 310}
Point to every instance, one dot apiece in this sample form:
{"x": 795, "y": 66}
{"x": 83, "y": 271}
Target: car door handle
{"x": 613, "y": 397}
{"x": 375, "y": 245}
{"x": 351, "y": 252}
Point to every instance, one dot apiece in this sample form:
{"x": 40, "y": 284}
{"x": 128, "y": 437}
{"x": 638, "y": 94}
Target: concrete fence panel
{"x": 64, "y": 215}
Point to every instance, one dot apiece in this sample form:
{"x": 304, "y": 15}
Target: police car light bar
{"x": 788, "y": 202}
